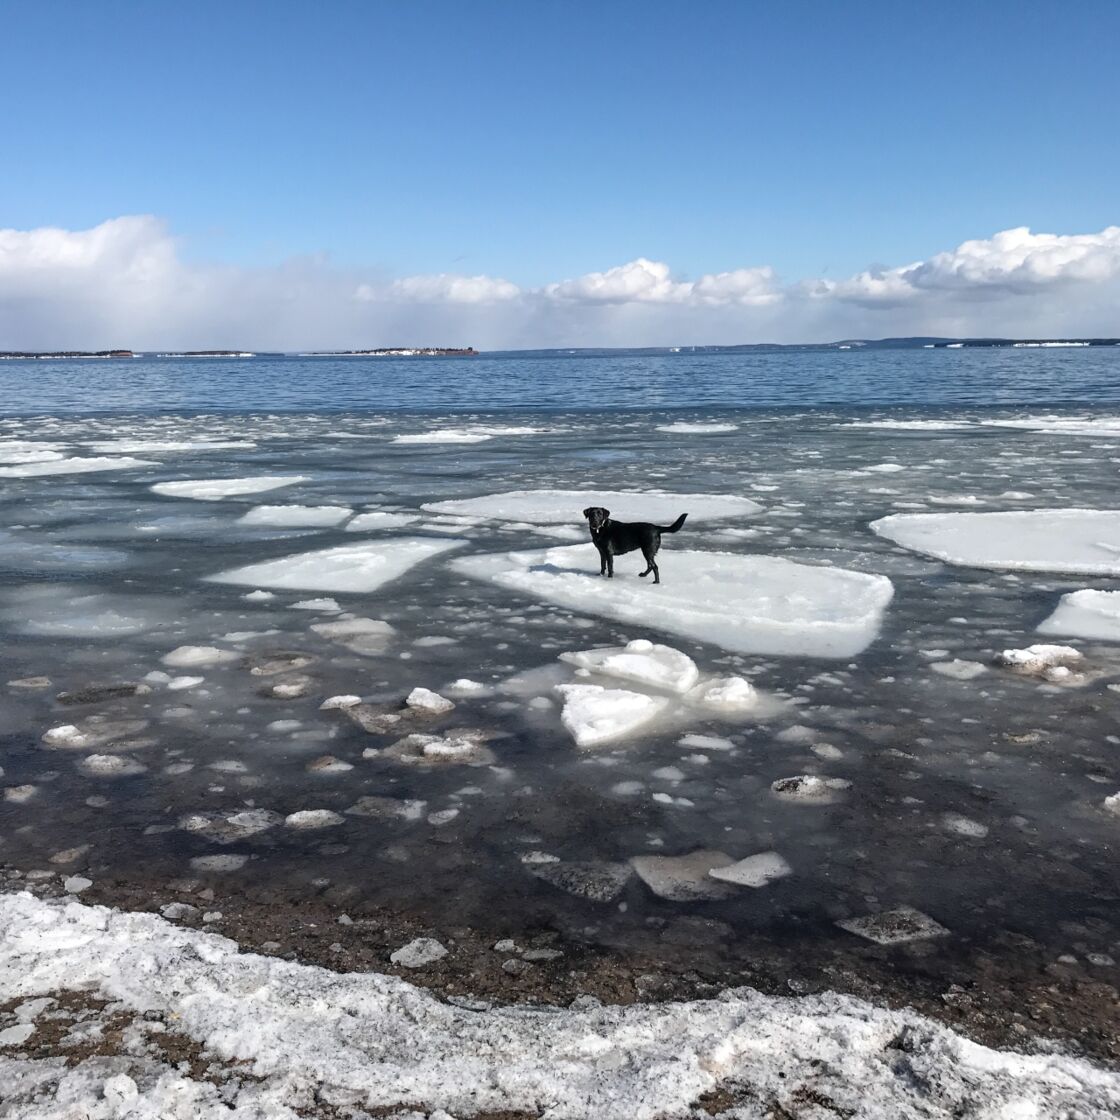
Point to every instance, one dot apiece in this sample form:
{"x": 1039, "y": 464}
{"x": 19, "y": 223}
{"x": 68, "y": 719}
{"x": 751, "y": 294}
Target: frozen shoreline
{"x": 372, "y": 1041}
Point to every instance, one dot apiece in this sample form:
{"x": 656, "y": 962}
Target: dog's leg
{"x": 610, "y": 566}
{"x": 603, "y": 562}
{"x": 651, "y": 564}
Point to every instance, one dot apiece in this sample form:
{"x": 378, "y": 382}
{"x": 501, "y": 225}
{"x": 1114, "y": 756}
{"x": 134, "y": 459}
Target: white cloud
{"x": 124, "y": 283}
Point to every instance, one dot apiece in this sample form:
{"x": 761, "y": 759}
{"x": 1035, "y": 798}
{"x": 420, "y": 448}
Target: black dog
{"x": 613, "y": 538}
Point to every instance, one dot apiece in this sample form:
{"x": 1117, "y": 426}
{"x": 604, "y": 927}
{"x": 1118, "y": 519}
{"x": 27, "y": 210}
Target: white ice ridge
{"x": 350, "y": 567}
{"x": 1080, "y": 541}
{"x": 74, "y": 465}
{"x": 369, "y": 1041}
{"x": 557, "y": 507}
{"x": 1086, "y": 614}
{"x": 684, "y": 428}
{"x": 215, "y": 489}
{"x": 296, "y": 516}
{"x": 746, "y": 604}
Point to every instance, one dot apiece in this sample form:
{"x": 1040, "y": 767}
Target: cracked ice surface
{"x": 746, "y": 604}
{"x": 352, "y": 567}
{"x": 359, "y": 1038}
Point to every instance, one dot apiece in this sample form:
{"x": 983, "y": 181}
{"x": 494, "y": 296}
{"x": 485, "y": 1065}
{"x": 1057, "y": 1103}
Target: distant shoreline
{"x": 845, "y": 345}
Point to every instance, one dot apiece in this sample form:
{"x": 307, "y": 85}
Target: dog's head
{"x": 597, "y": 517}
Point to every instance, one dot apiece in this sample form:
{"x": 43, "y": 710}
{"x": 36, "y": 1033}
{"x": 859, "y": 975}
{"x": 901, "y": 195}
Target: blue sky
{"x": 540, "y": 141}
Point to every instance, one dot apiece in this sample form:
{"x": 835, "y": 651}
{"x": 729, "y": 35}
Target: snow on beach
{"x": 746, "y": 604}
{"x": 363, "y": 1040}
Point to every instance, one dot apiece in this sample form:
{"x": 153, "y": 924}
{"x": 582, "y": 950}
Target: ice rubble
{"x": 1094, "y": 615}
{"x": 215, "y": 489}
{"x": 360, "y": 567}
{"x": 594, "y": 715}
{"x": 369, "y": 1041}
{"x": 746, "y": 604}
{"x": 558, "y": 507}
{"x": 74, "y": 465}
{"x": 1039, "y": 660}
{"x": 475, "y": 434}
{"x": 1083, "y": 541}
{"x": 296, "y": 517}
{"x": 154, "y": 446}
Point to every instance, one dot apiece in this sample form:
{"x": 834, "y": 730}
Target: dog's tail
{"x": 676, "y": 524}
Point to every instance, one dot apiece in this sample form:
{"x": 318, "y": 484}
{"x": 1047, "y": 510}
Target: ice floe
{"x": 685, "y": 878}
{"x": 296, "y": 516}
{"x": 746, "y": 604}
{"x": 557, "y": 507}
{"x": 463, "y": 435}
{"x": 1080, "y": 541}
{"x": 215, "y": 489}
{"x": 1094, "y": 615}
{"x": 594, "y": 715}
{"x": 74, "y": 465}
{"x": 1040, "y": 660}
{"x": 893, "y": 927}
{"x": 655, "y": 666}
{"x": 365, "y": 522}
{"x": 154, "y": 446}
{"x": 754, "y": 871}
{"x": 362, "y": 567}
{"x": 188, "y": 657}
{"x": 427, "y": 701}
{"x": 682, "y": 427}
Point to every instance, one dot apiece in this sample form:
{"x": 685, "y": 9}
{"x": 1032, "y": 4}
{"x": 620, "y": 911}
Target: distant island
{"x": 397, "y": 352}
{"x": 12, "y": 355}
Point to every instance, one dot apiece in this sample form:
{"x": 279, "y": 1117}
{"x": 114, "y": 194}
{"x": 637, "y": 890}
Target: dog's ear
{"x": 606, "y": 514}
{"x": 587, "y": 512}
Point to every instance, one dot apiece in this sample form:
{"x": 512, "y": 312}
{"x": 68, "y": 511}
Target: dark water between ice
{"x": 100, "y": 577}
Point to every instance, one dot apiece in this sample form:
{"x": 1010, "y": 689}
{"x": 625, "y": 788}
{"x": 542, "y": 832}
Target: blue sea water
{"x": 753, "y": 380}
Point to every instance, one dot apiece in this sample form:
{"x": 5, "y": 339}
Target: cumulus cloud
{"x": 125, "y": 283}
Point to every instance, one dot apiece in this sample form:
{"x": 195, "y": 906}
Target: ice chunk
{"x": 809, "y": 789}
{"x": 215, "y": 489}
{"x": 74, "y": 466}
{"x": 187, "y": 657}
{"x": 1086, "y": 614}
{"x": 754, "y": 871}
{"x": 706, "y": 743}
{"x": 725, "y": 694}
{"x": 594, "y": 715}
{"x": 425, "y": 700}
{"x": 360, "y": 567}
{"x": 958, "y": 669}
{"x": 326, "y": 606}
{"x": 1037, "y": 659}
{"x": 557, "y": 507}
{"x": 228, "y": 828}
{"x": 110, "y": 766}
{"x": 682, "y": 427}
{"x": 365, "y": 522}
{"x": 219, "y": 863}
{"x": 747, "y": 604}
{"x": 594, "y": 880}
{"x": 443, "y": 435}
{"x": 683, "y": 878}
{"x": 892, "y": 927}
{"x": 1082, "y": 541}
{"x": 642, "y": 661}
{"x": 416, "y": 954}
{"x": 344, "y": 701}
{"x": 463, "y": 748}
{"x": 1112, "y": 804}
{"x": 296, "y": 516}
{"x": 964, "y": 826}
{"x": 313, "y": 819}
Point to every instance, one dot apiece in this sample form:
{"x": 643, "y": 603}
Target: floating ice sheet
{"x": 594, "y": 715}
{"x": 352, "y": 567}
{"x": 1082, "y": 541}
{"x": 473, "y": 434}
{"x": 296, "y": 516}
{"x": 154, "y": 446}
{"x": 746, "y": 604}
{"x": 74, "y": 465}
{"x": 367, "y": 521}
{"x": 555, "y": 507}
{"x": 215, "y": 489}
{"x": 682, "y": 427}
{"x": 641, "y": 661}
{"x": 1086, "y": 614}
